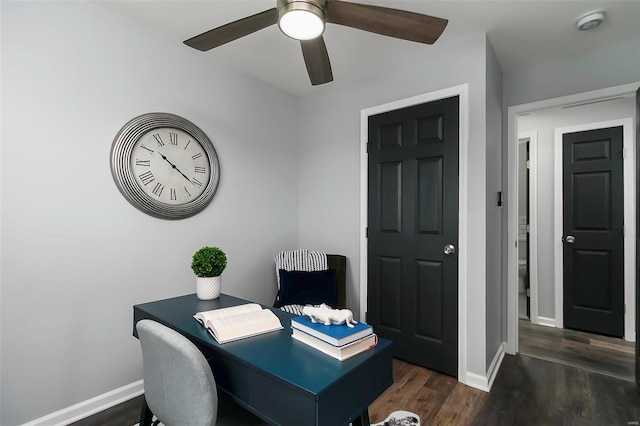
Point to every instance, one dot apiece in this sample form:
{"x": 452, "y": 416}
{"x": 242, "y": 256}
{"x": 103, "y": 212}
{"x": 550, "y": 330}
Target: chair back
{"x": 339, "y": 263}
{"x": 178, "y": 383}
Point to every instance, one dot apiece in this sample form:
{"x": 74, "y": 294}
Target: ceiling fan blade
{"x": 385, "y": 21}
{"x": 316, "y": 58}
{"x": 233, "y": 30}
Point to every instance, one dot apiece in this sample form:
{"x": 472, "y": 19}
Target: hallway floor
{"x": 601, "y": 354}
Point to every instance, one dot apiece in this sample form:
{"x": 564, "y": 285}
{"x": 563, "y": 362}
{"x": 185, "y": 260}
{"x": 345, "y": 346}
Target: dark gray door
{"x": 413, "y": 215}
{"x": 593, "y": 231}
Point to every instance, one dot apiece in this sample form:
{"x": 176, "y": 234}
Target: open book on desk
{"x": 238, "y": 322}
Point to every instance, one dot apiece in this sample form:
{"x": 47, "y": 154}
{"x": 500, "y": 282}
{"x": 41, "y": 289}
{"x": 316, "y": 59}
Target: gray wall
{"x": 545, "y": 122}
{"x": 75, "y": 255}
{"x": 329, "y": 200}
{"x": 496, "y": 291}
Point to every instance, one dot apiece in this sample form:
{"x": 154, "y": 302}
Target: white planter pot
{"x": 208, "y": 288}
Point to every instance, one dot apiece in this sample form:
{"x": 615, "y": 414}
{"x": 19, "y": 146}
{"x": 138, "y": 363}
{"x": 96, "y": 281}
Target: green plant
{"x": 208, "y": 262}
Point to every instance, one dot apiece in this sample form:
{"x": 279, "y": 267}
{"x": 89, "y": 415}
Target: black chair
{"x": 338, "y": 263}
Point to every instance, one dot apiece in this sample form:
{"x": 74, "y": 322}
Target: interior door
{"x": 413, "y": 232}
{"x": 593, "y": 231}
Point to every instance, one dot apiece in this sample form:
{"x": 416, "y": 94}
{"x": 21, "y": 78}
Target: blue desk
{"x": 283, "y": 381}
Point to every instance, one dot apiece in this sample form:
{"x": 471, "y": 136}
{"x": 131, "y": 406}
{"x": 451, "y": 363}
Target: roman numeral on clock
{"x": 187, "y": 191}
{"x": 196, "y": 182}
{"x": 143, "y": 163}
{"x": 200, "y": 169}
{"x": 144, "y": 147}
{"x": 173, "y": 138}
{"x": 158, "y": 189}
{"x": 146, "y": 178}
{"x": 158, "y": 139}
{"x": 173, "y": 194}
{"x": 196, "y": 156}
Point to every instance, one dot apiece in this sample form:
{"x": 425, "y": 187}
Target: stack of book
{"x": 338, "y": 341}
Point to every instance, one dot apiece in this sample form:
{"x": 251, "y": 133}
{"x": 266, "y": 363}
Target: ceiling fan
{"x": 305, "y": 20}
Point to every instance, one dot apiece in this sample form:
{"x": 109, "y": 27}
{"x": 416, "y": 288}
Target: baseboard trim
{"x": 495, "y": 364}
{"x": 477, "y": 381}
{"x": 484, "y": 383}
{"x": 91, "y": 406}
{"x": 547, "y": 322}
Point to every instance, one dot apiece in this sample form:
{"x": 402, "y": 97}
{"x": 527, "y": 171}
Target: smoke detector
{"x": 590, "y": 20}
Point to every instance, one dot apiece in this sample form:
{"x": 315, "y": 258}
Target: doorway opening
{"x": 524, "y": 289}
{"x": 524, "y": 120}
{"x": 527, "y": 226}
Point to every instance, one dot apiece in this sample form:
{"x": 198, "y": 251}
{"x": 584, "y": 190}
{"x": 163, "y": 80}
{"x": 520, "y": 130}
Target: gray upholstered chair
{"x": 179, "y": 387}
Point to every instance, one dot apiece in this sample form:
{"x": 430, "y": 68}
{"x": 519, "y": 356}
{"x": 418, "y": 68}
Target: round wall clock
{"x": 165, "y": 166}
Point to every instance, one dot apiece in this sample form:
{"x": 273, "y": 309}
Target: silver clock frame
{"x": 124, "y": 177}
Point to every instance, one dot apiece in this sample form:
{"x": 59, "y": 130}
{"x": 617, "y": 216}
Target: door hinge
{"x": 367, "y": 147}
{"x": 528, "y": 164}
{"x": 624, "y": 231}
{"x": 624, "y": 153}
{"x": 366, "y": 232}
{"x": 528, "y": 228}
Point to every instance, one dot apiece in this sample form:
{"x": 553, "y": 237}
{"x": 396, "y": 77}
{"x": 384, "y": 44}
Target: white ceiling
{"x": 522, "y": 33}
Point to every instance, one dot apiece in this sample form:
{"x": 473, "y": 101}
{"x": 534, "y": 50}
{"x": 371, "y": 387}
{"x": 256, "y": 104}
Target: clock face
{"x": 165, "y": 166}
{"x": 170, "y": 165}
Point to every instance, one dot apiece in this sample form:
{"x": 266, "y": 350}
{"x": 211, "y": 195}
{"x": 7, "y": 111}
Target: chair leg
{"x": 145, "y": 414}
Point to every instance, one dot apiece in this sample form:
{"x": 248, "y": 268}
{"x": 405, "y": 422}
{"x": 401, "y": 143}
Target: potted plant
{"x": 208, "y": 263}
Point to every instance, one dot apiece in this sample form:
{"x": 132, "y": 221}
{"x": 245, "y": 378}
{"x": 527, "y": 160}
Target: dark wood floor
{"x": 601, "y": 354}
{"x": 527, "y": 391}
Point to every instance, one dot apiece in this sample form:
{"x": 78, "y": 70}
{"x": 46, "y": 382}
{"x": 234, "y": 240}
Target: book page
{"x": 243, "y": 325}
{"x": 205, "y": 316}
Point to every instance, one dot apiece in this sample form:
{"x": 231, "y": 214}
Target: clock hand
{"x": 173, "y": 166}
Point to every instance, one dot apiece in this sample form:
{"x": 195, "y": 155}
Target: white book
{"x": 338, "y": 352}
{"x": 238, "y": 322}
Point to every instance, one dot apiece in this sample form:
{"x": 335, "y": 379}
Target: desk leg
{"x": 145, "y": 413}
{"x": 363, "y": 420}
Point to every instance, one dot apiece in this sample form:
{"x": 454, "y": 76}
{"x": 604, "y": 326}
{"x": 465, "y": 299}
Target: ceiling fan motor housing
{"x": 285, "y": 6}
{"x": 309, "y": 20}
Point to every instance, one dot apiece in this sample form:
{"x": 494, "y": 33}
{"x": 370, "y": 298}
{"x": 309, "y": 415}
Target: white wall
{"x": 75, "y": 254}
{"x": 545, "y": 122}
{"x": 329, "y": 200}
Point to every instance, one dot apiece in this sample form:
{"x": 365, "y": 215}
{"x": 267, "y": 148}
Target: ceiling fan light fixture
{"x": 301, "y": 20}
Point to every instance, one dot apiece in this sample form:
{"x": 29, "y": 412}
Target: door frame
{"x": 512, "y": 219}
{"x": 463, "y": 92}
{"x": 628, "y": 167}
{"x": 532, "y": 138}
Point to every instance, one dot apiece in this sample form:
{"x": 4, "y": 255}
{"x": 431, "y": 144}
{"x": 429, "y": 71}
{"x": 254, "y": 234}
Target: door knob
{"x": 570, "y": 239}
{"x": 449, "y": 249}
